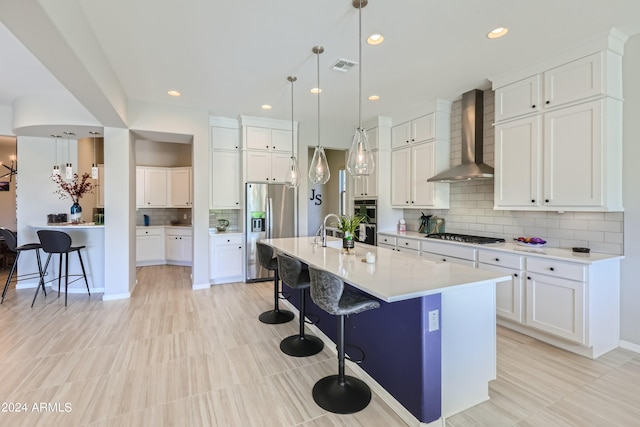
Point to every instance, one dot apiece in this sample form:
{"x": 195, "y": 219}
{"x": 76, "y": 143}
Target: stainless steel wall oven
{"x": 367, "y": 208}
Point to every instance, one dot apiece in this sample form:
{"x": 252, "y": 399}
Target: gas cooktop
{"x": 465, "y": 238}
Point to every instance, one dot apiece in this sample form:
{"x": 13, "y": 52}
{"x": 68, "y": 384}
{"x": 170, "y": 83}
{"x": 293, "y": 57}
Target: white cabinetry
{"x": 367, "y": 187}
{"x": 181, "y": 189}
{"x": 225, "y": 179}
{"x": 509, "y": 293}
{"x": 226, "y": 255}
{"x": 386, "y": 241}
{"x": 256, "y": 138}
{"x": 178, "y": 245}
{"x": 411, "y": 167}
{"x": 558, "y": 140}
{"x": 444, "y": 252}
{"x": 151, "y": 187}
{"x": 266, "y": 167}
{"x": 417, "y": 130}
{"x": 223, "y": 138}
{"x": 150, "y": 246}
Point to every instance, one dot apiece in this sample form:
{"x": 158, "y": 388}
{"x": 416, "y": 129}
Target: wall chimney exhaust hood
{"x": 472, "y": 166}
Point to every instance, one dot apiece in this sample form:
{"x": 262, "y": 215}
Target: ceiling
{"x": 230, "y": 57}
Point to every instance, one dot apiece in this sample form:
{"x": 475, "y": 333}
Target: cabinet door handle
{"x": 528, "y": 277}
{"x": 533, "y": 106}
{"x": 551, "y": 268}
{"x": 406, "y": 243}
{"x": 533, "y": 200}
{"x": 546, "y": 200}
{"x": 267, "y": 147}
{"x": 515, "y": 274}
{"x": 444, "y": 259}
{"x": 497, "y": 259}
{"x": 274, "y": 147}
{"x": 548, "y": 102}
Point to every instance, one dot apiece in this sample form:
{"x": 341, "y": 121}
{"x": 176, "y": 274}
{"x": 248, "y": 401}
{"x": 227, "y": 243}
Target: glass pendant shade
{"x": 292, "y": 180}
{"x": 361, "y": 162}
{"x": 319, "y": 171}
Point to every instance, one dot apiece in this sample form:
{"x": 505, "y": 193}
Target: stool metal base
{"x": 351, "y": 396}
{"x": 273, "y": 317}
{"x": 298, "y": 346}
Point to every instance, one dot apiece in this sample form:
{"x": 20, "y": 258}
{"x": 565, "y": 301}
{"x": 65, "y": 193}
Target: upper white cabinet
{"x": 225, "y": 138}
{"x": 225, "y": 179}
{"x": 558, "y": 140}
{"x": 418, "y": 130}
{"x": 410, "y": 169}
{"x": 420, "y": 150}
{"x": 181, "y": 187}
{"x": 518, "y": 99}
{"x": 151, "y": 187}
{"x": 266, "y": 167}
{"x": 367, "y": 187}
{"x": 158, "y": 187}
{"x": 257, "y": 138}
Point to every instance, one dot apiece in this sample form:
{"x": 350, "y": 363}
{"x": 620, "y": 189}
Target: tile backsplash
{"x": 471, "y": 207}
{"x": 232, "y": 215}
{"x": 164, "y": 216}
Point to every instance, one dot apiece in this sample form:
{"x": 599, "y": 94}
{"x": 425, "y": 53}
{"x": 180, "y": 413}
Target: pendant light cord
{"x": 360, "y": 65}
{"x": 292, "y": 79}
{"x": 318, "y": 52}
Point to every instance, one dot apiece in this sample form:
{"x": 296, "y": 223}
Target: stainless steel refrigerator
{"x": 270, "y": 214}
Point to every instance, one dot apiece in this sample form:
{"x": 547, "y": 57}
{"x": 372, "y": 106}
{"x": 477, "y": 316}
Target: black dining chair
{"x": 59, "y": 242}
{"x": 11, "y": 241}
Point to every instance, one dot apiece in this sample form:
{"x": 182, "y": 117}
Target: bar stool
{"x": 268, "y": 261}
{"x": 295, "y": 275}
{"x": 12, "y": 246}
{"x": 340, "y": 394}
{"x": 58, "y": 242}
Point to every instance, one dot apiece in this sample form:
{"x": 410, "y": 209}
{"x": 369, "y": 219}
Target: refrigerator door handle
{"x": 269, "y": 219}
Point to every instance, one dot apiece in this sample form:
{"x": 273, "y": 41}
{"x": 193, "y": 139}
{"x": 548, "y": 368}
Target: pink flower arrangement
{"x": 73, "y": 189}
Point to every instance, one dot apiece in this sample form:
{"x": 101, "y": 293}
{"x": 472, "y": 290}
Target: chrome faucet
{"x": 324, "y": 228}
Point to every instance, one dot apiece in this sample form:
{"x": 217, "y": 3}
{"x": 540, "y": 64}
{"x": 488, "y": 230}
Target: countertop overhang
{"x": 393, "y": 277}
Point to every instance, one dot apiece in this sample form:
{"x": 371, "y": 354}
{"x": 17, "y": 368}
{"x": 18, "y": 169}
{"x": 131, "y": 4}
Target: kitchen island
{"x": 432, "y": 343}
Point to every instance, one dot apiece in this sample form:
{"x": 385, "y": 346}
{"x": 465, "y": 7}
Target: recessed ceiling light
{"x": 374, "y": 97}
{"x": 174, "y": 93}
{"x": 498, "y": 32}
{"x": 266, "y": 107}
{"x": 375, "y": 39}
{"x": 316, "y": 90}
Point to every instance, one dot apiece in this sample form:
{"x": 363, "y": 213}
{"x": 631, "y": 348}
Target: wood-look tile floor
{"x": 171, "y": 356}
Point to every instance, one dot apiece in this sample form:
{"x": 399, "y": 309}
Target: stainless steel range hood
{"x": 472, "y": 166}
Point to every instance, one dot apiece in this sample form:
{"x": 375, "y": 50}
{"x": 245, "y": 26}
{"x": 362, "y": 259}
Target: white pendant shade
{"x": 319, "y": 171}
{"x": 361, "y": 162}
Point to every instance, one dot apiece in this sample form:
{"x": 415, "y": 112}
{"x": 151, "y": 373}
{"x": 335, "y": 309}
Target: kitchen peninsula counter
{"x": 432, "y": 343}
{"x": 86, "y": 234}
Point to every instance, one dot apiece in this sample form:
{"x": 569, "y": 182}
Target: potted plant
{"x": 348, "y": 225}
{"x": 73, "y": 190}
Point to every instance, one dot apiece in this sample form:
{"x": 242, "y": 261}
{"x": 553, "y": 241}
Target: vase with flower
{"x": 74, "y": 190}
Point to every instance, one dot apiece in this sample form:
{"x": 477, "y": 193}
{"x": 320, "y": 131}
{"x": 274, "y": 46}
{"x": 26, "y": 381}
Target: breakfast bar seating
{"x": 12, "y": 245}
{"x": 341, "y": 394}
{"x": 267, "y": 259}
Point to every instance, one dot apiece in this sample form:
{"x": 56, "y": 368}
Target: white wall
{"x": 630, "y": 292}
{"x": 6, "y": 120}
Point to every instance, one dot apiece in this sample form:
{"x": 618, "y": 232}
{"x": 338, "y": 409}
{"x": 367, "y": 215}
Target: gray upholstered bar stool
{"x": 268, "y": 261}
{"x": 341, "y": 394}
{"x": 296, "y": 275}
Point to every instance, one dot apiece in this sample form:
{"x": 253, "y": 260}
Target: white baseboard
{"x": 199, "y": 286}
{"x": 400, "y": 410}
{"x": 630, "y": 346}
{"x": 112, "y": 297}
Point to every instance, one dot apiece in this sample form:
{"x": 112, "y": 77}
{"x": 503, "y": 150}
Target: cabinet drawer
{"x": 555, "y": 268}
{"x": 149, "y": 231}
{"x": 408, "y": 244}
{"x": 386, "y": 240}
{"x": 501, "y": 259}
{"x": 445, "y": 258}
{"x": 463, "y": 252}
{"x": 235, "y": 239}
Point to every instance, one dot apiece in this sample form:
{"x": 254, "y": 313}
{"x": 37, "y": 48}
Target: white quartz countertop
{"x": 393, "y": 277}
{"x": 69, "y": 225}
{"x": 561, "y": 254}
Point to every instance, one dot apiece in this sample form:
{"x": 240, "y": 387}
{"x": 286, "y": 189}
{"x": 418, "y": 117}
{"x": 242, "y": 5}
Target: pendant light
{"x": 319, "y": 171}
{"x": 360, "y": 162}
{"x": 292, "y": 180}
{"x": 56, "y": 166}
{"x": 94, "y": 166}
{"x": 69, "y": 166}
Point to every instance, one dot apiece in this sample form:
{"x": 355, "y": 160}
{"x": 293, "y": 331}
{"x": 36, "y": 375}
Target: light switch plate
{"x": 434, "y": 320}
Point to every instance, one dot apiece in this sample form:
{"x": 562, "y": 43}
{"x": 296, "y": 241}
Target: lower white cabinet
{"x": 509, "y": 293}
{"x": 178, "y": 246}
{"x": 150, "y": 246}
{"x": 226, "y": 255}
{"x": 444, "y": 252}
